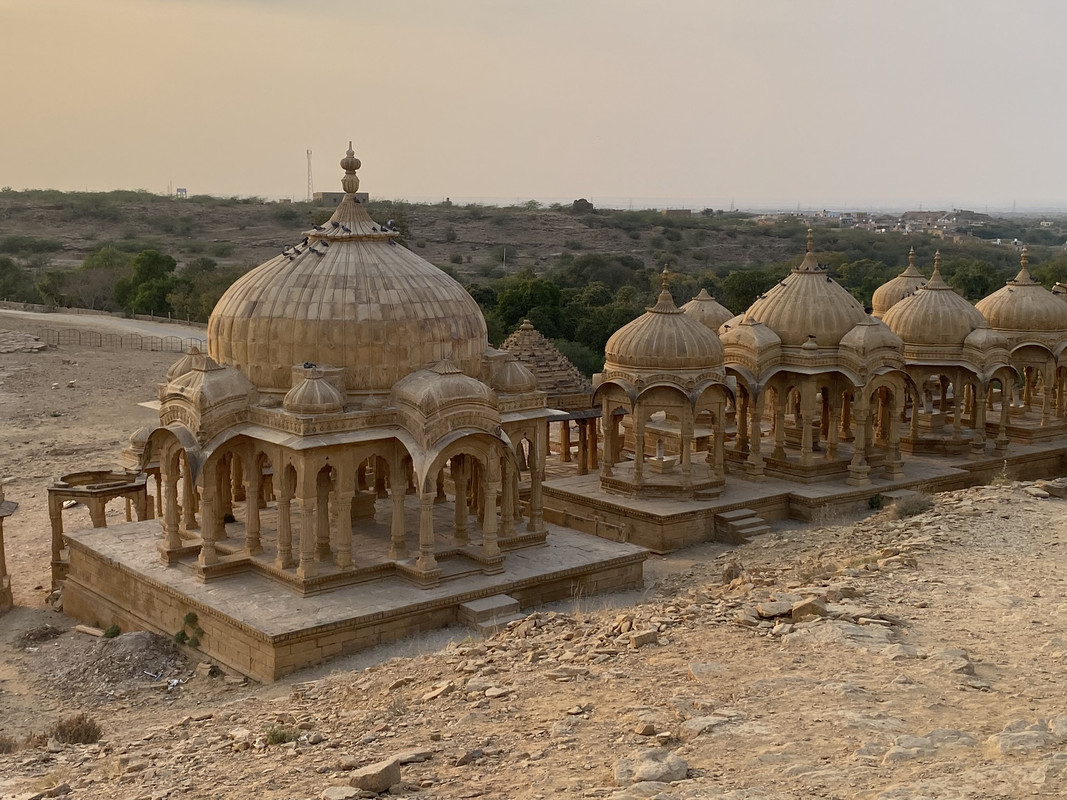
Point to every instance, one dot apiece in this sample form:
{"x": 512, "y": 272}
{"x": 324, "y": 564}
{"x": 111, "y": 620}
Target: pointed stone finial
{"x": 350, "y": 181}
{"x": 1024, "y": 257}
{"x": 911, "y": 257}
{"x": 665, "y": 301}
{"x": 665, "y": 283}
{"x": 811, "y": 240}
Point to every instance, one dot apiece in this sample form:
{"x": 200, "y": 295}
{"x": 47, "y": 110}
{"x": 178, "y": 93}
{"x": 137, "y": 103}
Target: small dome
{"x": 183, "y": 364}
{"x": 871, "y": 335}
{"x": 808, "y": 302}
{"x": 706, "y": 309}
{"x": 663, "y": 338}
{"x": 209, "y": 384}
{"x": 934, "y": 315}
{"x": 903, "y": 285}
{"x": 1024, "y": 305}
{"x": 313, "y": 395}
{"x": 753, "y": 336}
{"x": 443, "y": 384}
{"x": 511, "y": 377}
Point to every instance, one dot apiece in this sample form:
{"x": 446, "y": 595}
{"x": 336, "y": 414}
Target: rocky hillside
{"x": 879, "y": 658}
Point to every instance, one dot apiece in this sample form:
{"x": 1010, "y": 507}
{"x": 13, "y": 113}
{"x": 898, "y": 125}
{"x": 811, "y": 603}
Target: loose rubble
{"x": 877, "y": 659}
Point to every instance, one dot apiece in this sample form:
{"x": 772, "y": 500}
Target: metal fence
{"x": 118, "y": 341}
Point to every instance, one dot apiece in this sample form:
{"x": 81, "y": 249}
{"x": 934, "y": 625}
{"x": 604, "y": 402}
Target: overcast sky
{"x": 821, "y": 103}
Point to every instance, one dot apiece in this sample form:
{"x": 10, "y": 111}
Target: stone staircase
{"x": 735, "y": 527}
{"x": 487, "y": 615}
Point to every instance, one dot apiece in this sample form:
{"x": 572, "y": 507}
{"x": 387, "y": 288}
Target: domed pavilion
{"x": 827, "y": 377}
{"x": 1034, "y": 323}
{"x": 954, "y": 358}
{"x": 663, "y": 378}
{"x": 349, "y": 425}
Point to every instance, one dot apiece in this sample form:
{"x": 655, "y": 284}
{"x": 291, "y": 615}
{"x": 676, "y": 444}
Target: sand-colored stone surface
{"x": 870, "y": 659}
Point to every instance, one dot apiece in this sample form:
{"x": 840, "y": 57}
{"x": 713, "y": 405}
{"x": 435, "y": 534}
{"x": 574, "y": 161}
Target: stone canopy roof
{"x": 555, "y": 374}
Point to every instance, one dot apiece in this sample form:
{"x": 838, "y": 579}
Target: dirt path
{"x": 876, "y": 658}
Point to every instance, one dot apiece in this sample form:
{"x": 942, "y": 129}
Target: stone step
{"x": 486, "y": 609}
{"x": 490, "y": 626}
{"x": 736, "y": 514}
{"x": 737, "y": 526}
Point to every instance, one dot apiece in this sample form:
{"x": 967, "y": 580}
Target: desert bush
{"x": 911, "y": 505}
{"x": 456, "y": 258}
{"x": 280, "y": 735}
{"x": 8, "y": 744}
{"x": 112, "y": 631}
{"x": 79, "y": 729}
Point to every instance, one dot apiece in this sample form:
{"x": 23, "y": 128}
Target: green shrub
{"x": 112, "y": 631}
{"x": 191, "y": 618}
{"x": 456, "y": 258}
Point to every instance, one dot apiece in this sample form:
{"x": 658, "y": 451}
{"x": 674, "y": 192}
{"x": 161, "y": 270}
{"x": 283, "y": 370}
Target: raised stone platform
{"x": 665, "y": 524}
{"x": 264, "y": 630}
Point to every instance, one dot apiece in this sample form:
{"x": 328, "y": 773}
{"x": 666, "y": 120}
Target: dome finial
{"x": 1024, "y": 258}
{"x": 911, "y": 257}
{"x": 937, "y": 266}
{"x": 350, "y": 181}
{"x": 665, "y": 283}
{"x": 1024, "y": 276}
{"x": 811, "y": 240}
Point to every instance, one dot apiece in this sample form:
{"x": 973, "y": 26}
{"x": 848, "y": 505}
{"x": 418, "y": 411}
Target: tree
{"x": 146, "y": 290}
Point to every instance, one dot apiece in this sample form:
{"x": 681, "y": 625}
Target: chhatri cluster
{"x": 351, "y": 462}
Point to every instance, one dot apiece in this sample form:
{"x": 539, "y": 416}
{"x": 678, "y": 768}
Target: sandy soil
{"x": 870, "y": 658}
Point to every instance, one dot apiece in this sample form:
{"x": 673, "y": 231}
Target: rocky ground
{"x": 884, "y": 657}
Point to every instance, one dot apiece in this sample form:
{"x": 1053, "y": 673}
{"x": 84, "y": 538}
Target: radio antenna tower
{"x": 311, "y": 183}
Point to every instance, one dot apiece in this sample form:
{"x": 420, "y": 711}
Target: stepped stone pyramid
{"x": 567, "y": 388}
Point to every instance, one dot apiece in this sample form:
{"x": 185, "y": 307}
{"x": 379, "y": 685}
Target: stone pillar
{"x": 754, "y": 462}
{"x": 846, "y": 416}
{"x": 741, "y": 416}
{"x": 225, "y": 494}
{"x": 168, "y": 466}
{"x": 159, "y": 494}
{"x": 957, "y": 407}
{"x": 536, "y": 522}
{"x": 426, "y": 561}
{"x": 237, "y": 490}
{"x": 305, "y": 506}
{"x": 806, "y": 416}
{"x": 97, "y": 511}
{"x": 253, "y": 495}
{"x": 978, "y": 438}
{"x": 379, "y": 478}
{"x": 894, "y": 465}
{"x": 833, "y": 416}
{"x": 592, "y": 451}
{"x": 639, "y": 447}
{"x": 189, "y": 499}
{"x": 583, "y": 448}
{"x": 212, "y": 519}
{"x": 779, "y": 428}
{"x": 1046, "y": 395}
{"x": 398, "y": 545}
{"x": 685, "y": 432}
{"x": 858, "y": 469}
{"x": 1000, "y": 444}
{"x": 440, "y": 496}
{"x": 284, "y": 558}
{"x": 565, "y": 441}
{"x": 508, "y": 501}
{"x": 341, "y": 520}
{"x": 323, "y": 488}
{"x": 460, "y": 476}
{"x": 55, "y": 516}
{"x": 607, "y": 419}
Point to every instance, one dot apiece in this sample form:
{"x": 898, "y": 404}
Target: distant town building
{"x": 332, "y": 198}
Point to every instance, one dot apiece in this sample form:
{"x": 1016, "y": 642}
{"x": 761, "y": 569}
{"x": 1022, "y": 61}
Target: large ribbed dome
{"x": 1024, "y": 305}
{"x": 806, "y": 303}
{"x": 348, "y": 296}
{"x": 934, "y": 315}
{"x": 664, "y": 337}
{"x": 892, "y": 292}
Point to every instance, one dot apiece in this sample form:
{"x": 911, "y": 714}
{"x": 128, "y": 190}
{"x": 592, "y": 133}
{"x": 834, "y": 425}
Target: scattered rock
{"x": 658, "y": 764}
{"x": 376, "y": 777}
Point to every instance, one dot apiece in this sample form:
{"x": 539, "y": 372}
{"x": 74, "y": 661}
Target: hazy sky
{"x": 822, "y": 103}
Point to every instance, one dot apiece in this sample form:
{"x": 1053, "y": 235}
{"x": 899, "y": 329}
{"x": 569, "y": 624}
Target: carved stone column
{"x": 426, "y": 561}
